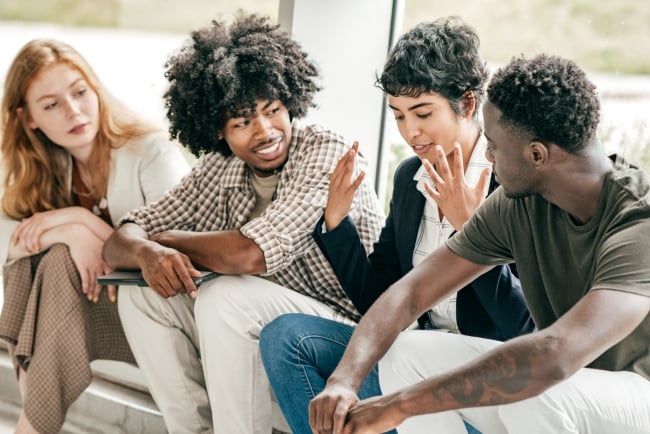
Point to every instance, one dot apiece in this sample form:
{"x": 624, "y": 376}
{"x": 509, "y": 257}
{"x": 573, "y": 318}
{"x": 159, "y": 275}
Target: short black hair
{"x": 440, "y": 56}
{"x": 548, "y": 98}
{"x": 221, "y": 71}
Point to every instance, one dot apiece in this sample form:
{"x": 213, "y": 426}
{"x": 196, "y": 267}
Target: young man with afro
{"x": 246, "y": 210}
{"x": 577, "y": 224}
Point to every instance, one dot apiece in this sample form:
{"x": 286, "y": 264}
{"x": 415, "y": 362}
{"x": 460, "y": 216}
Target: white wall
{"x": 349, "y": 40}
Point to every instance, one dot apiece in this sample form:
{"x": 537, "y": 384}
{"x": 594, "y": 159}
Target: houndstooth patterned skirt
{"x": 54, "y": 333}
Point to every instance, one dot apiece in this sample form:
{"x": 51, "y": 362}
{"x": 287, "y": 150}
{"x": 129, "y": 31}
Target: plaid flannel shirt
{"x": 217, "y": 195}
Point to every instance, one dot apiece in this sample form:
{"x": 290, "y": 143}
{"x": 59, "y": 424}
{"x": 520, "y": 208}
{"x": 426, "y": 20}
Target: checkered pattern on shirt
{"x": 217, "y": 195}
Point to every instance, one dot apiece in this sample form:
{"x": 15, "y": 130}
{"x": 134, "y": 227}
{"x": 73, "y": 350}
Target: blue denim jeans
{"x": 299, "y": 353}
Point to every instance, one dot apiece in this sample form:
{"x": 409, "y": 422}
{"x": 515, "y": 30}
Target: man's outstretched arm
{"x": 519, "y": 369}
{"x": 395, "y": 310}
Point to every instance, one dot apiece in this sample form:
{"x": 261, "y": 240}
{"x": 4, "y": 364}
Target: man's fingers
{"x": 340, "y": 412}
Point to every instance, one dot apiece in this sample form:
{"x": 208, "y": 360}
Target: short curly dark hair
{"x": 440, "y": 56}
{"x": 221, "y": 71}
{"x": 548, "y": 98}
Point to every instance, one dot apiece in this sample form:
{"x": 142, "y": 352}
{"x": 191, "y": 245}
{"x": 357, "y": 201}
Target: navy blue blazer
{"x": 492, "y": 306}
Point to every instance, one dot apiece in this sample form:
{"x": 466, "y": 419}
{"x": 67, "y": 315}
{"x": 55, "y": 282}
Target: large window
{"x": 128, "y": 42}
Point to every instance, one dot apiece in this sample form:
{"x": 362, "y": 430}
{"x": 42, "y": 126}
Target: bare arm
{"x": 519, "y": 369}
{"x": 167, "y": 259}
{"x": 85, "y": 249}
{"x": 228, "y": 252}
{"x": 398, "y": 307}
{"x": 29, "y": 232}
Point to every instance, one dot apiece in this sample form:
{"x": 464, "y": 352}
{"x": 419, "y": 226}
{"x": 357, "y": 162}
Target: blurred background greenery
{"x": 609, "y": 38}
{"x": 612, "y": 35}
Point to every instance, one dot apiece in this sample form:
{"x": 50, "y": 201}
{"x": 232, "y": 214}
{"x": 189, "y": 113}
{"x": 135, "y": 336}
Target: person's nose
{"x": 412, "y": 130}
{"x": 262, "y": 127}
{"x": 71, "y": 108}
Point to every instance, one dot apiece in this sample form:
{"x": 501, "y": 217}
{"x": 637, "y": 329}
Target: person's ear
{"x": 539, "y": 153}
{"x": 468, "y": 104}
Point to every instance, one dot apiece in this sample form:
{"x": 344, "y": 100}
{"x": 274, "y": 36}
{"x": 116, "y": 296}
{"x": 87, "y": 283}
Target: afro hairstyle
{"x": 222, "y": 72}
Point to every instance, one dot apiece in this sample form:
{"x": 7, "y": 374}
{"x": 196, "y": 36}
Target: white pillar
{"x": 349, "y": 40}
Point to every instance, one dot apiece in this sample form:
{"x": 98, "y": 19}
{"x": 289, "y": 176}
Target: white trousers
{"x": 591, "y": 401}
{"x": 201, "y": 357}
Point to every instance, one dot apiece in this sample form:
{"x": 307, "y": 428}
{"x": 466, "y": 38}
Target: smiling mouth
{"x": 270, "y": 146}
{"x": 420, "y": 148}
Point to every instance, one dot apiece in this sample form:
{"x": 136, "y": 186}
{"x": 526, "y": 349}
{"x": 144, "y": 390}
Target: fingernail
{"x": 113, "y": 298}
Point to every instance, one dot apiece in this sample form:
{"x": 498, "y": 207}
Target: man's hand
{"x": 166, "y": 270}
{"x": 374, "y": 415}
{"x": 328, "y": 410}
{"x": 457, "y": 200}
{"x": 342, "y": 188}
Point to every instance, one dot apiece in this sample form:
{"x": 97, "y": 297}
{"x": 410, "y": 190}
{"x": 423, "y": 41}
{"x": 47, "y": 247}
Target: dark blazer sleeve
{"x": 493, "y": 306}
{"x": 364, "y": 278}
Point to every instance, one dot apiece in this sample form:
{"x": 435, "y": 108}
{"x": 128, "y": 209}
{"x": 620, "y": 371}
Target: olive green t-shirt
{"x": 559, "y": 261}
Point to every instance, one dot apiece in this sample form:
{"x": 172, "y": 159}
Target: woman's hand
{"x": 86, "y": 251}
{"x": 29, "y": 231}
{"x": 342, "y": 188}
{"x": 455, "y": 198}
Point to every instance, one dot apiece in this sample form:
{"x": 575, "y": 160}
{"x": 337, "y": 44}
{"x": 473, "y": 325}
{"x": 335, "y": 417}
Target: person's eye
{"x": 82, "y": 91}
{"x": 273, "y": 111}
{"x": 423, "y": 115}
{"x": 50, "y": 106}
{"x": 242, "y": 124}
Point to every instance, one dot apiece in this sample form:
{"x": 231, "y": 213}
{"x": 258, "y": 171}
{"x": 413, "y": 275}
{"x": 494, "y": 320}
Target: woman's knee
{"x": 287, "y": 333}
{"x": 281, "y": 336}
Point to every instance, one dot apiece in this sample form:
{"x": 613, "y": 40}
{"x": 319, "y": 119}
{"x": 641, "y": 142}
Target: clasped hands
{"x": 337, "y": 410}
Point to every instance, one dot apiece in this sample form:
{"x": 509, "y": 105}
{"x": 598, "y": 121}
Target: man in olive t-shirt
{"x": 578, "y": 226}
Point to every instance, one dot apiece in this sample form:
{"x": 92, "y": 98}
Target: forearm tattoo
{"x": 494, "y": 380}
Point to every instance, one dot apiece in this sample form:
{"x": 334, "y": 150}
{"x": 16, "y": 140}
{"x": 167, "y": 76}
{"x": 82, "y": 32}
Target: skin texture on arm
{"x": 167, "y": 258}
{"x": 519, "y": 369}
{"x": 168, "y": 271}
{"x": 30, "y": 230}
{"x": 227, "y": 252}
{"x": 398, "y": 307}
{"x": 85, "y": 248}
